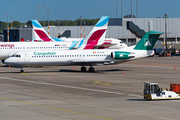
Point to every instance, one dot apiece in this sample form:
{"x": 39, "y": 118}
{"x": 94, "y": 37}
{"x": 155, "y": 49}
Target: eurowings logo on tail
{"x": 41, "y": 34}
{"x": 97, "y": 34}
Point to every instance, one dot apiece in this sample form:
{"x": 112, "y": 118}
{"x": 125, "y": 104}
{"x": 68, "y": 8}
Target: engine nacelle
{"x": 121, "y": 55}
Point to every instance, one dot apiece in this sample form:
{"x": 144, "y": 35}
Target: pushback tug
{"x": 152, "y": 91}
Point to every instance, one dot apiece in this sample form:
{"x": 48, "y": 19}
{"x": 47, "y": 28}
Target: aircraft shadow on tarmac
{"x": 28, "y": 72}
{"x": 64, "y": 70}
{"x": 4, "y": 66}
{"x": 96, "y": 71}
{"x": 136, "y": 99}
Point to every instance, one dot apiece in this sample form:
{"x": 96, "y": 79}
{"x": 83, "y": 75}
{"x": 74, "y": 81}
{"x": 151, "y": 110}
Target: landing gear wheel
{"x": 91, "y": 69}
{"x": 83, "y": 69}
{"x": 21, "y": 71}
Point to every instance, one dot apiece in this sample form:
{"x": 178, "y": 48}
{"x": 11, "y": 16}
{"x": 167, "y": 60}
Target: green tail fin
{"x": 148, "y": 41}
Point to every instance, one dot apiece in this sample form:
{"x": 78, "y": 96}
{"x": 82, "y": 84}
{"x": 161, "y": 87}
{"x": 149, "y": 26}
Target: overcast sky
{"x": 25, "y": 10}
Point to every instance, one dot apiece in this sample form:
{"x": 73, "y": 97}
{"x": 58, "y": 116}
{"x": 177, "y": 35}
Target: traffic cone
{"x": 9, "y": 66}
{"x": 175, "y": 68}
{"x": 72, "y": 68}
{"x": 123, "y": 72}
{"x": 75, "y": 67}
{"x": 47, "y": 66}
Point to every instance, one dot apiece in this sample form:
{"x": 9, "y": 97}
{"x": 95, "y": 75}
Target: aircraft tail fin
{"x": 98, "y": 33}
{"x": 148, "y": 41}
{"x": 39, "y": 32}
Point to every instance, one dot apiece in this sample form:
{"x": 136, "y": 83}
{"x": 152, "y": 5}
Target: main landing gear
{"x": 91, "y": 69}
{"x": 83, "y": 69}
{"x": 21, "y": 71}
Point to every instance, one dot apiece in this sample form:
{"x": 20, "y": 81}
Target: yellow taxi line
{"x": 56, "y": 108}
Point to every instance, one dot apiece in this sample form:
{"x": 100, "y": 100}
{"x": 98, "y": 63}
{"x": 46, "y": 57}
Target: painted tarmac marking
{"x": 24, "y": 73}
{"x": 56, "y": 108}
{"x": 88, "y": 89}
{"x": 151, "y": 66}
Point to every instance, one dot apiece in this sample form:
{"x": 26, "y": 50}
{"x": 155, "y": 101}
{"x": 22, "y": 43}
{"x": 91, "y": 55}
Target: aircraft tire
{"x": 83, "y": 69}
{"x": 21, "y": 71}
{"x": 91, "y": 69}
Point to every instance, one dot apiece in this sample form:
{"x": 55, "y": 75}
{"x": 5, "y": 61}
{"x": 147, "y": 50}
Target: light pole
{"x": 7, "y": 27}
{"x": 137, "y": 9}
{"x": 131, "y": 10}
{"x": 165, "y": 15}
{"x": 39, "y": 12}
{"x": 116, "y": 8}
{"x": 44, "y": 14}
{"x": 81, "y": 25}
{"x": 48, "y": 20}
{"x": 84, "y": 29}
{"x": 59, "y": 28}
{"x": 121, "y": 8}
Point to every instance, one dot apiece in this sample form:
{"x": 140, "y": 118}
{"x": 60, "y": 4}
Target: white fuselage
{"x": 117, "y": 44}
{"x": 71, "y": 57}
{"x": 9, "y": 48}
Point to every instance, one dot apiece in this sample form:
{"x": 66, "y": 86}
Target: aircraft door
{"x": 26, "y": 56}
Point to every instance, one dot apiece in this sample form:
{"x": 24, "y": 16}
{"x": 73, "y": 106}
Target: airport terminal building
{"x": 129, "y": 30}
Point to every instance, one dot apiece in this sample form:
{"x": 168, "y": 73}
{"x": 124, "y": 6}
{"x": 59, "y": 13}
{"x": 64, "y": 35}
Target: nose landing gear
{"x": 21, "y": 71}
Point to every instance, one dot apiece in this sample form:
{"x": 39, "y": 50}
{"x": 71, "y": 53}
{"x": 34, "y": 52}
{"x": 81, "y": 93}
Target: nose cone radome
{"x": 9, "y": 61}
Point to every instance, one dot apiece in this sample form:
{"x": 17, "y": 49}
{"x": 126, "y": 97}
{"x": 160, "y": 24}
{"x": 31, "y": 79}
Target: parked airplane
{"x": 85, "y": 57}
{"x": 108, "y": 43}
{"x": 9, "y": 48}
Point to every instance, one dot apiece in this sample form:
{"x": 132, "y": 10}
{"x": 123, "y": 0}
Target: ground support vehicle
{"x": 152, "y": 91}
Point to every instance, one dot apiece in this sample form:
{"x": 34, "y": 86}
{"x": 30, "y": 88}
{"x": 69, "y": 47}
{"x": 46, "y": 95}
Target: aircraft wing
{"x": 105, "y": 45}
{"x": 91, "y": 62}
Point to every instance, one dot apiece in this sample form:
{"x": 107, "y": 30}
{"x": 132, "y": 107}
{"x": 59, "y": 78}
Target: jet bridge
{"x": 135, "y": 29}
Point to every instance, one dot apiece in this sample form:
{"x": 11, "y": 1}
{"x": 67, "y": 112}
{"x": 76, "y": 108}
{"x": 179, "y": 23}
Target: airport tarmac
{"x": 60, "y": 93}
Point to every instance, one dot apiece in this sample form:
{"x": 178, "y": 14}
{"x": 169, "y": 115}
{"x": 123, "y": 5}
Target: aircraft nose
{"x": 8, "y": 61}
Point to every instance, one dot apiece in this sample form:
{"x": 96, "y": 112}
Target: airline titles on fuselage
{"x": 12, "y": 46}
{"x": 7, "y": 45}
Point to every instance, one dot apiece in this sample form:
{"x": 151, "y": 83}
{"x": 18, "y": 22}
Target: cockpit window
{"x": 13, "y": 56}
{"x": 121, "y": 42}
{"x": 17, "y": 56}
